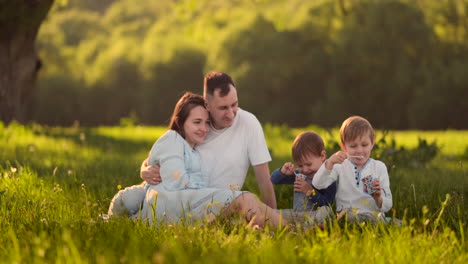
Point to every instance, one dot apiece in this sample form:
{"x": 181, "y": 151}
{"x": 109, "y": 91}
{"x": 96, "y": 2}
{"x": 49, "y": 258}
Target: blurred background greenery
{"x": 402, "y": 64}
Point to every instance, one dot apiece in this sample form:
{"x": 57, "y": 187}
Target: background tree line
{"x": 401, "y": 63}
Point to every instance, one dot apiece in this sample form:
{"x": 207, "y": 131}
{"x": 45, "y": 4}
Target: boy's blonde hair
{"x": 354, "y": 127}
{"x": 307, "y": 143}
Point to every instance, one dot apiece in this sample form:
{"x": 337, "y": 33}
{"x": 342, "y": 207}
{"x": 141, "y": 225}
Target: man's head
{"x": 221, "y": 99}
{"x": 308, "y": 152}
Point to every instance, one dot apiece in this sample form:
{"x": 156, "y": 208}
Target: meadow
{"x": 56, "y": 182}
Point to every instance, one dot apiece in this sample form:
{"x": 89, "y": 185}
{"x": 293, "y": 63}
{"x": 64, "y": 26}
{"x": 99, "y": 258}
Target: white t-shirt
{"x": 227, "y": 154}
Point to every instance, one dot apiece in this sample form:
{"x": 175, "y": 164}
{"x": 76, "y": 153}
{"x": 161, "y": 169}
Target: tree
{"x": 19, "y": 64}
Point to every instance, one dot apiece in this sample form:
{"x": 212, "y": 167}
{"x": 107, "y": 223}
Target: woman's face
{"x": 196, "y": 126}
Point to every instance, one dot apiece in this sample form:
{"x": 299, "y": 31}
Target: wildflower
{"x": 119, "y": 186}
{"x": 57, "y": 188}
{"x": 311, "y": 192}
{"x": 427, "y": 222}
{"x": 69, "y": 172}
{"x": 425, "y": 210}
{"x": 82, "y": 137}
{"x": 13, "y": 170}
{"x": 32, "y": 148}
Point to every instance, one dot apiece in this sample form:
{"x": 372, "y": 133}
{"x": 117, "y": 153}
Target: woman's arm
{"x": 168, "y": 152}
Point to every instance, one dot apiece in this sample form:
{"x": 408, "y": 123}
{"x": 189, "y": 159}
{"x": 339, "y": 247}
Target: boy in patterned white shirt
{"x": 363, "y": 187}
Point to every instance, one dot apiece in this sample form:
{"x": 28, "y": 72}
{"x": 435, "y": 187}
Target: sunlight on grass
{"x": 55, "y": 183}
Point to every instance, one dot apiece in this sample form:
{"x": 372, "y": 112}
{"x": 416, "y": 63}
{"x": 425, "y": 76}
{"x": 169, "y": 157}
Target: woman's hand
{"x": 150, "y": 174}
{"x": 302, "y": 186}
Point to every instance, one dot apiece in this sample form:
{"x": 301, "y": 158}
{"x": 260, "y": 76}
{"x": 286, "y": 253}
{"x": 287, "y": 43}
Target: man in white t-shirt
{"x": 235, "y": 142}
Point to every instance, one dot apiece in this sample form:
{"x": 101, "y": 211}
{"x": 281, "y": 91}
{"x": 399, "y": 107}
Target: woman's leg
{"x": 249, "y": 206}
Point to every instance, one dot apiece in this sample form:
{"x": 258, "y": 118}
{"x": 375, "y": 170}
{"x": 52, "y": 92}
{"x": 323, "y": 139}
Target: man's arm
{"x": 262, "y": 173}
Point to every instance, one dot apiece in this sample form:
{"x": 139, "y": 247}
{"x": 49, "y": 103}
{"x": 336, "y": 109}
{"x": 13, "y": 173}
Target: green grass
{"x": 55, "y": 182}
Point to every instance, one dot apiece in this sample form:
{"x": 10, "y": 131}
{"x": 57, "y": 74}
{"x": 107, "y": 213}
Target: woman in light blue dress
{"x": 182, "y": 194}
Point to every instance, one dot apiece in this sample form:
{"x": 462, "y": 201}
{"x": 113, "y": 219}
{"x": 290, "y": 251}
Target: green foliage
{"x": 399, "y": 63}
{"x": 55, "y": 183}
{"x": 394, "y": 156}
{"x": 276, "y": 68}
{"x": 130, "y": 121}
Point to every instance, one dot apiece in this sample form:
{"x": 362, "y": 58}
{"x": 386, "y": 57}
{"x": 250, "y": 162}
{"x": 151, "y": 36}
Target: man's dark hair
{"x": 217, "y": 80}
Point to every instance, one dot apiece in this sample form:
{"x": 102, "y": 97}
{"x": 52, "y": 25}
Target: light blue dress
{"x": 182, "y": 193}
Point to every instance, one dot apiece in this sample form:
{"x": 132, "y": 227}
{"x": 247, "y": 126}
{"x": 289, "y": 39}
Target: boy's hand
{"x": 377, "y": 195}
{"x": 302, "y": 186}
{"x": 288, "y": 168}
{"x": 336, "y": 158}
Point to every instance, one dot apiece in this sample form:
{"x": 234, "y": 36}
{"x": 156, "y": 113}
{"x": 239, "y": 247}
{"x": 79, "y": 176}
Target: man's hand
{"x": 150, "y": 174}
{"x": 288, "y": 168}
{"x": 302, "y": 186}
{"x": 336, "y": 158}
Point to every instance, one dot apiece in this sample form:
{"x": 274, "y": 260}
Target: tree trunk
{"x": 19, "y": 24}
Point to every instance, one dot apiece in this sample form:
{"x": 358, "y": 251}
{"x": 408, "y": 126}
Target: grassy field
{"x": 55, "y": 182}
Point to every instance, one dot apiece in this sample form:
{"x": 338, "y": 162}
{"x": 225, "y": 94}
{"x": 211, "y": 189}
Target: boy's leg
{"x": 127, "y": 202}
{"x": 291, "y": 216}
{"x": 319, "y": 216}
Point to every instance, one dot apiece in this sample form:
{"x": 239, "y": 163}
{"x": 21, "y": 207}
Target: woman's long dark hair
{"x": 182, "y": 109}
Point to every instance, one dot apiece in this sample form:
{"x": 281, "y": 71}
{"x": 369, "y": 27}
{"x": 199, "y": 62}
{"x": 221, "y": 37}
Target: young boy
{"x": 308, "y": 152}
{"x": 363, "y": 186}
